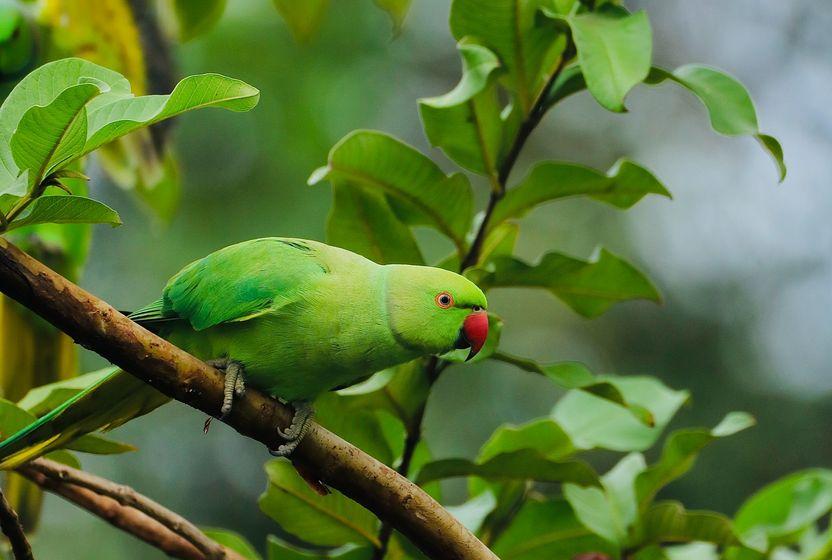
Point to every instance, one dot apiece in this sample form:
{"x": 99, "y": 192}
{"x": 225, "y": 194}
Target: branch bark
{"x": 127, "y": 519}
{"x": 128, "y": 497}
{"x": 10, "y": 524}
{"x": 97, "y": 326}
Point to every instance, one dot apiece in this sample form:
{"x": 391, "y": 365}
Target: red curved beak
{"x": 475, "y": 332}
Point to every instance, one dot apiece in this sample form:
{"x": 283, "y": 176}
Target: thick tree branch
{"x": 99, "y": 327}
{"x": 126, "y": 496}
{"x": 10, "y": 524}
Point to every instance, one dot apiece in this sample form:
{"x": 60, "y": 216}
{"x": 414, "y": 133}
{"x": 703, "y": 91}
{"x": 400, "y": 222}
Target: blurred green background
{"x": 745, "y": 265}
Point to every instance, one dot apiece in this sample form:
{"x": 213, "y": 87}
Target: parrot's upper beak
{"x": 473, "y": 333}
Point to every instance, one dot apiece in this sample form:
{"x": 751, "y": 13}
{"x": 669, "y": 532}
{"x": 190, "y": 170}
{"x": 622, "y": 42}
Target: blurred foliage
{"x": 532, "y": 490}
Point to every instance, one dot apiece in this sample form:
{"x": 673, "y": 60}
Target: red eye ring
{"x": 444, "y": 300}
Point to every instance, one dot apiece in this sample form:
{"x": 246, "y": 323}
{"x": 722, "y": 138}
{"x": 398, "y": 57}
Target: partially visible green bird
{"x": 291, "y": 317}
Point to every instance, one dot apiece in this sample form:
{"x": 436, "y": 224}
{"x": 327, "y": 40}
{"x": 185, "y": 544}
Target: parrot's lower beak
{"x": 473, "y": 333}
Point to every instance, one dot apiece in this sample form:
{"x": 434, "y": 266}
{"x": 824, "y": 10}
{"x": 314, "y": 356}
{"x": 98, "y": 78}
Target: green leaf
{"x": 542, "y": 435}
{"x": 783, "y": 509}
{"x": 280, "y": 550}
{"x": 569, "y": 82}
{"x": 98, "y": 445}
{"x": 48, "y": 136}
{"x": 40, "y": 400}
{"x": 424, "y": 194}
{"x": 524, "y": 464}
{"x": 69, "y": 209}
{"x": 589, "y": 287}
{"x": 473, "y": 512}
{"x": 614, "y": 51}
{"x": 465, "y": 122}
{"x": 121, "y": 116}
{"x": 680, "y": 452}
{"x": 619, "y": 486}
{"x": 362, "y": 221}
{"x": 729, "y": 104}
{"x": 232, "y": 540}
{"x": 359, "y": 426}
{"x": 529, "y": 46}
{"x": 196, "y": 17}
{"x": 65, "y": 458}
{"x": 592, "y": 421}
{"x": 669, "y": 522}
{"x": 40, "y": 88}
{"x": 303, "y": 18}
{"x": 13, "y": 418}
{"x": 397, "y": 10}
{"x": 550, "y": 530}
{"x": 495, "y": 330}
{"x": 332, "y": 520}
{"x": 401, "y": 390}
{"x": 593, "y": 509}
{"x": 625, "y": 184}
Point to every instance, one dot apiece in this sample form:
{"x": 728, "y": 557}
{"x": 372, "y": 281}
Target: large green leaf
{"x": 680, "y": 452}
{"x": 729, "y": 104}
{"x": 669, "y": 522}
{"x": 550, "y": 530}
{"x": 42, "y": 399}
{"x": 121, "y": 116}
{"x": 281, "y": 550}
{"x": 401, "y": 391}
{"x": 785, "y": 508}
{"x": 595, "y": 512}
{"x": 624, "y": 185}
{"x": 543, "y": 435}
{"x": 69, "y": 209}
{"x": 465, "y": 122}
{"x": 615, "y": 51}
{"x": 524, "y": 464}
{"x": 195, "y": 17}
{"x": 588, "y": 287}
{"x": 40, "y": 88}
{"x": 362, "y": 221}
{"x": 303, "y": 18}
{"x": 359, "y": 426}
{"x": 591, "y": 421}
{"x": 575, "y": 375}
{"x": 332, "y": 520}
{"x": 529, "y": 46}
{"x": 424, "y": 194}
{"x": 48, "y": 136}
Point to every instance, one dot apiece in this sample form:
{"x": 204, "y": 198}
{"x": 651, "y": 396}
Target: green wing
{"x": 237, "y": 283}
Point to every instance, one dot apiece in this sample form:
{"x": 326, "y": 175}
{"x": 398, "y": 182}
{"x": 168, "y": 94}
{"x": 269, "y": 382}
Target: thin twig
{"x": 126, "y": 496}
{"x": 10, "y": 524}
{"x": 99, "y": 327}
{"x": 125, "y": 518}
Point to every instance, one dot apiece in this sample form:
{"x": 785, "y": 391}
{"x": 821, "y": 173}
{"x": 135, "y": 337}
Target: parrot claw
{"x": 296, "y": 430}
{"x": 234, "y": 382}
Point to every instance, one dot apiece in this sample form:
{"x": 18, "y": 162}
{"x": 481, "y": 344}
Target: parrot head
{"x": 434, "y": 310}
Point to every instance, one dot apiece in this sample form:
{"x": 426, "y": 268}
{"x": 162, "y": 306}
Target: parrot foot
{"x": 296, "y": 430}
{"x": 235, "y": 385}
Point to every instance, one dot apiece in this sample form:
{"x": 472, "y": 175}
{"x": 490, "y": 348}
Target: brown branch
{"x": 127, "y": 519}
{"x": 97, "y": 326}
{"x": 126, "y": 496}
{"x": 10, "y": 524}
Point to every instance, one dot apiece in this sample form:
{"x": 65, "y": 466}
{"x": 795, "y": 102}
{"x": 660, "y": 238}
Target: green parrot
{"x": 291, "y": 317}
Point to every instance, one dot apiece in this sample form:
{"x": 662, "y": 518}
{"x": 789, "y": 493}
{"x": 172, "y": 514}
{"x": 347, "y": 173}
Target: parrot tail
{"x": 110, "y": 402}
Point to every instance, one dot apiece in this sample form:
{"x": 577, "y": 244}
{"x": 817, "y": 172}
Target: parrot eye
{"x": 444, "y": 300}
{"x": 476, "y": 309}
